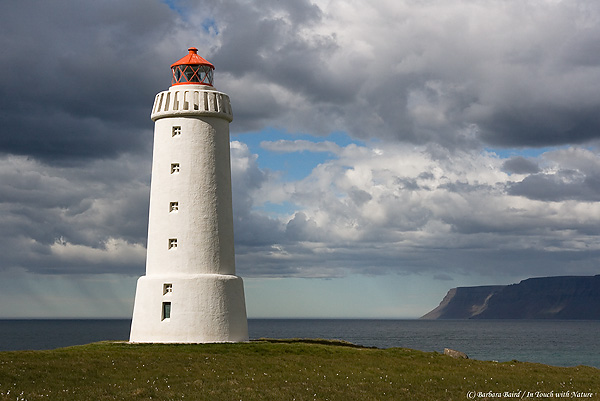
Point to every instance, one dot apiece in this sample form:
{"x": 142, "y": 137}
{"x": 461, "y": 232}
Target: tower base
{"x": 200, "y": 308}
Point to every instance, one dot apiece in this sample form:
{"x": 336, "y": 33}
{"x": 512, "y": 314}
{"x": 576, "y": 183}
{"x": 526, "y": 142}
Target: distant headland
{"x": 564, "y": 297}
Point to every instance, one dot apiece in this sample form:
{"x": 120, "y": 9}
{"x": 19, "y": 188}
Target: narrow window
{"x": 175, "y": 100}
{"x": 167, "y": 101}
{"x": 167, "y": 288}
{"x": 160, "y": 102}
{"x": 173, "y": 207}
{"x": 174, "y": 168}
{"x": 176, "y": 131}
{"x": 196, "y": 100}
{"x": 186, "y": 100}
{"x": 172, "y": 243}
{"x": 166, "y": 310}
{"x": 205, "y": 101}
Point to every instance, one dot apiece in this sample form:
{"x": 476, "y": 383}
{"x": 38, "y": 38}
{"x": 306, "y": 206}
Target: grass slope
{"x": 274, "y": 370}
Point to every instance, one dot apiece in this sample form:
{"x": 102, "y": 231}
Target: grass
{"x": 274, "y": 370}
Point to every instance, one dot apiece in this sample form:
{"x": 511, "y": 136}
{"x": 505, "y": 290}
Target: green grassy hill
{"x": 275, "y": 370}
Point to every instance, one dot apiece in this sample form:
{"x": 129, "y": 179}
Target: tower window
{"x": 166, "y": 310}
{"x": 176, "y": 131}
{"x": 167, "y": 288}
{"x": 173, "y": 207}
{"x": 174, "y": 168}
{"x": 172, "y": 243}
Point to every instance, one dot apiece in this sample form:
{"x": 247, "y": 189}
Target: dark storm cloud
{"x": 520, "y": 165}
{"x": 571, "y": 174}
{"x": 276, "y": 60}
{"x": 421, "y": 77}
{"x": 85, "y": 220}
{"x": 542, "y": 124}
{"x": 563, "y": 185}
{"x": 267, "y": 39}
{"x": 454, "y": 73}
{"x": 78, "y": 78}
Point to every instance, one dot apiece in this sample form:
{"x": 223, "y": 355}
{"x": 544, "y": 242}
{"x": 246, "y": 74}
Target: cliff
{"x": 567, "y": 297}
{"x": 464, "y": 302}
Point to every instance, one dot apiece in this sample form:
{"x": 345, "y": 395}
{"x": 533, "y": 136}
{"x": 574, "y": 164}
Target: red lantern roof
{"x": 192, "y": 58}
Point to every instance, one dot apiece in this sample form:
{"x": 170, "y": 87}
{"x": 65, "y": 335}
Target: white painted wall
{"x": 207, "y": 302}
{"x": 204, "y": 308}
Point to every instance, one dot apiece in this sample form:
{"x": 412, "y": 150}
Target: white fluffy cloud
{"x": 416, "y": 209}
{"x": 368, "y": 209}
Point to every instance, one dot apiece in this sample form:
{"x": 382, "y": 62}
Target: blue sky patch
{"x": 292, "y": 165}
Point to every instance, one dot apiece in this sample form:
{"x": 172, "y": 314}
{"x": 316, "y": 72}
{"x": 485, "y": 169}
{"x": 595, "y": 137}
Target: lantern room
{"x": 192, "y": 69}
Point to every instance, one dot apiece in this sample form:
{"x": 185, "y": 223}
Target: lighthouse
{"x": 190, "y": 293}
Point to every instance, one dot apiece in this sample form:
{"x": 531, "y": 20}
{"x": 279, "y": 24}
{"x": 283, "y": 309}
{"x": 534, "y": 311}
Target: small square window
{"x": 172, "y": 243}
{"x": 173, "y": 207}
{"x": 176, "y": 131}
{"x": 174, "y": 168}
{"x": 166, "y": 310}
{"x": 167, "y": 288}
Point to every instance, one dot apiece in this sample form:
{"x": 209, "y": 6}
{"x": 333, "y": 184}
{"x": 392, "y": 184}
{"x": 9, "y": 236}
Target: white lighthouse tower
{"x": 190, "y": 293}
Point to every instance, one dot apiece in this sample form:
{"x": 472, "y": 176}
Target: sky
{"x": 382, "y": 152}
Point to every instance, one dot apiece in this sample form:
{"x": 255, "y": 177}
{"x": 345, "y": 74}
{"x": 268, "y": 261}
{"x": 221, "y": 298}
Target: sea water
{"x": 552, "y": 342}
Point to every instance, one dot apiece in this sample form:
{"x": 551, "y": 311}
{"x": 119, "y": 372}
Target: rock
{"x": 455, "y": 354}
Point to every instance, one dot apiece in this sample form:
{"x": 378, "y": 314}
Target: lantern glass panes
{"x": 195, "y": 73}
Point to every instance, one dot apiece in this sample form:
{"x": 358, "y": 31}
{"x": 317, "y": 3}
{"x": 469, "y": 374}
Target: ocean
{"x": 552, "y": 342}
